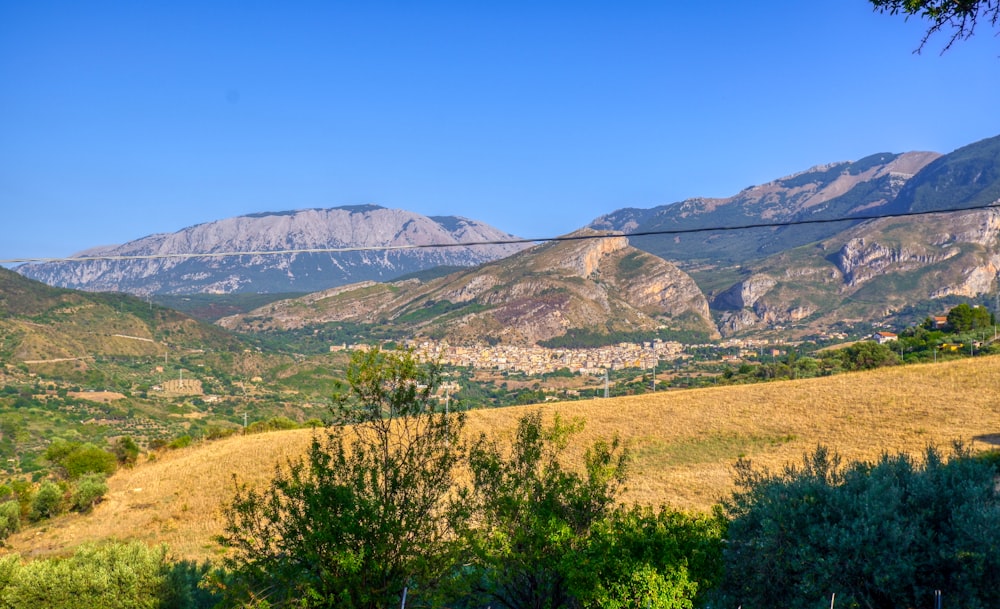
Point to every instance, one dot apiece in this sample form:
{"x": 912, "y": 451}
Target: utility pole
{"x": 605, "y": 382}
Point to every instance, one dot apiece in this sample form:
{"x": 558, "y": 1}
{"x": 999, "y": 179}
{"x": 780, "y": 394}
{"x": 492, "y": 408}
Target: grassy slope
{"x": 684, "y": 442}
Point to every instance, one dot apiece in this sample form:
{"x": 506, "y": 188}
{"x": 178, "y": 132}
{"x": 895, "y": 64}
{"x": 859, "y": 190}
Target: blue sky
{"x": 124, "y": 119}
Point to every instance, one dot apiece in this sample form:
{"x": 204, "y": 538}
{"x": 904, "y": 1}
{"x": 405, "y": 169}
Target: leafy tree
{"x": 87, "y": 491}
{"x": 10, "y": 518}
{"x": 73, "y": 459}
{"x": 641, "y": 557}
{"x": 959, "y": 16}
{"x": 48, "y": 501}
{"x": 866, "y": 355}
{"x": 530, "y": 512}
{"x": 880, "y": 535}
{"x": 960, "y": 318}
{"x": 364, "y": 517}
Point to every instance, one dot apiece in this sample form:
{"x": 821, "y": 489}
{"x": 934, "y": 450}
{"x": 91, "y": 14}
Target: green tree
{"x": 866, "y": 355}
{"x": 364, "y": 517}
{"x": 959, "y": 16}
{"x": 529, "y": 512}
{"x": 48, "y": 501}
{"x": 87, "y": 491}
{"x": 641, "y": 557}
{"x": 960, "y": 318}
{"x": 73, "y": 459}
{"x": 880, "y": 535}
{"x": 10, "y": 518}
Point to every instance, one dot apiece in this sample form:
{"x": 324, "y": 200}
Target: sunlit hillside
{"x": 684, "y": 443}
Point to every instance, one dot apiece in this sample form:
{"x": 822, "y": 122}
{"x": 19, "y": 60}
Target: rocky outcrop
{"x": 744, "y": 293}
{"x": 762, "y": 316}
{"x": 593, "y": 285}
{"x": 860, "y": 260}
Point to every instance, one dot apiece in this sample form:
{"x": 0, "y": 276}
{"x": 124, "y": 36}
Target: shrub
{"x": 117, "y": 575}
{"x": 10, "y": 518}
{"x": 88, "y": 459}
{"x": 126, "y": 451}
{"x": 48, "y": 501}
{"x": 90, "y": 489}
{"x": 180, "y": 442}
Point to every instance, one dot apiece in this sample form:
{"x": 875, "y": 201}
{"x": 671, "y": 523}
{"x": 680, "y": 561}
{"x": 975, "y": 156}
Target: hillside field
{"x": 684, "y": 445}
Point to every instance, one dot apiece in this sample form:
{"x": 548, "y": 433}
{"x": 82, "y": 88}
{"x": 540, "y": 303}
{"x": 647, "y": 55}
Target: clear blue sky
{"x": 124, "y": 119}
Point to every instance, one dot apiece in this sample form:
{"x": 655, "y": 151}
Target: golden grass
{"x": 684, "y": 443}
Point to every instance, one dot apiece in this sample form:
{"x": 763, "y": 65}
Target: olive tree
{"x": 364, "y": 518}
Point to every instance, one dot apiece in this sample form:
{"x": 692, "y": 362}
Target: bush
{"x": 48, "y": 501}
{"x": 88, "y": 459}
{"x": 72, "y": 459}
{"x": 880, "y": 534}
{"x": 126, "y": 451}
{"x": 10, "y": 518}
{"x": 90, "y": 489}
{"x": 180, "y": 442}
{"x": 117, "y": 575}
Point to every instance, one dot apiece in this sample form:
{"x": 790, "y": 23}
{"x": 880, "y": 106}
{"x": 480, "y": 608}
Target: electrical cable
{"x": 512, "y": 241}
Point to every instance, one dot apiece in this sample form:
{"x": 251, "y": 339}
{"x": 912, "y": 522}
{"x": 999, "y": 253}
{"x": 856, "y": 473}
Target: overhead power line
{"x": 514, "y": 241}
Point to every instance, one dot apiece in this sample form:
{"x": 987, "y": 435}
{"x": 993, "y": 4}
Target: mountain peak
{"x": 294, "y": 265}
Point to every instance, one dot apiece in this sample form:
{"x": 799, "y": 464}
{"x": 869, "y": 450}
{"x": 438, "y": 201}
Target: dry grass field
{"x": 684, "y": 444}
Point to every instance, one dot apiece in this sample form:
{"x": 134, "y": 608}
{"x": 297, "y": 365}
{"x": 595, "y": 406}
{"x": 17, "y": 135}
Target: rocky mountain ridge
{"x": 364, "y": 230}
{"x": 792, "y": 279}
{"x": 596, "y": 286}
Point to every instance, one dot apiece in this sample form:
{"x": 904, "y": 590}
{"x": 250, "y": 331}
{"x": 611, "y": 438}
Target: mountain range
{"x": 582, "y": 287}
{"x": 843, "y": 242}
{"x": 383, "y": 243}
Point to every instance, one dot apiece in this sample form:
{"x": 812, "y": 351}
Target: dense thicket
{"x": 878, "y": 535}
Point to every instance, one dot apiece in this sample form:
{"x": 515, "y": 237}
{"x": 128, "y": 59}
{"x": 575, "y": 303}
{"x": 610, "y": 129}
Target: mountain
{"x": 836, "y": 190}
{"x": 803, "y": 279}
{"x": 967, "y": 177}
{"x": 43, "y": 325}
{"x": 366, "y": 227}
{"x": 587, "y": 288}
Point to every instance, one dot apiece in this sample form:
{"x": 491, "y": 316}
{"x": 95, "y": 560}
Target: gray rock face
{"x": 251, "y": 264}
{"x": 860, "y": 260}
{"x": 744, "y": 293}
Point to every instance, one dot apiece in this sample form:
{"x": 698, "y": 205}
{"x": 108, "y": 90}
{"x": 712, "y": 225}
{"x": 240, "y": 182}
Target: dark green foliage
{"x": 126, "y": 451}
{"x": 963, "y": 318}
{"x": 49, "y": 501}
{"x": 530, "y": 512}
{"x": 867, "y": 355}
{"x": 87, "y": 492}
{"x": 364, "y": 516}
{"x": 113, "y": 576}
{"x": 72, "y": 459}
{"x": 880, "y": 535}
{"x": 10, "y": 518}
